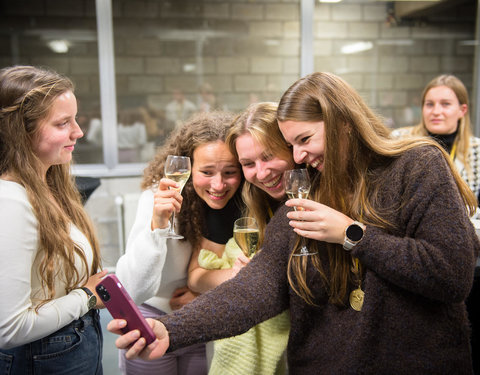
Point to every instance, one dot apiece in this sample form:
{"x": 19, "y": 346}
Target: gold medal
{"x": 356, "y": 299}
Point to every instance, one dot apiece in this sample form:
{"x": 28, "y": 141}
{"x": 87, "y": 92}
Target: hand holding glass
{"x": 246, "y": 233}
{"x": 178, "y": 169}
{"x": 297, "y": 185}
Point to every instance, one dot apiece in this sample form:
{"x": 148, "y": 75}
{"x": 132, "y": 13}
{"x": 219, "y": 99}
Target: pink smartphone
{"x": 121, "y": 306}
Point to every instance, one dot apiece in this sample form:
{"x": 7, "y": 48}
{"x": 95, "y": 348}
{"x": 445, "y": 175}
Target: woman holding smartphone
{"x": 154, "y": 267}
{"x": 48, "y": 320}
{"x": 388, "y": 221}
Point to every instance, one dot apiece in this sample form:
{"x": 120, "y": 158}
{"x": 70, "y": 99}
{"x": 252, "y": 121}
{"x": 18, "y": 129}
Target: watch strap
{"x": 88, "y": 291}
{"x": 92, "y": 299}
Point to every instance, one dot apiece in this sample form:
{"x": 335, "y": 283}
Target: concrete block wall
{"x": 403, "y": 58}
{"x": 242, "y": 48}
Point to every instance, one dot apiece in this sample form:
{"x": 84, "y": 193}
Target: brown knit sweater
{"x": 416, "y": 279}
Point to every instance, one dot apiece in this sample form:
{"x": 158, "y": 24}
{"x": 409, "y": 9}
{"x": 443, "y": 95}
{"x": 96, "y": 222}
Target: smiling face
{"x": 442, "y": 110}
{"x": 58, "y": 132}
{"x": 216, "y": 174}
{"x": 260, "y": 167}
{"x": 307, "y": 140}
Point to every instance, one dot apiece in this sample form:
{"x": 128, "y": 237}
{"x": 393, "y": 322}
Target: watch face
{"x": 354, "y": 232}
{"x": 92, "y": 302}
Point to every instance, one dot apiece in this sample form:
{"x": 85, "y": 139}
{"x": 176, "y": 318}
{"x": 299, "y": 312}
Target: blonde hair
{"x": 200, "y": 129}
{"x": 260, "y": 121}
{"x": 344, "y": 183}
{"x": 27, "y": 95}
{"x": 464, "y": 129}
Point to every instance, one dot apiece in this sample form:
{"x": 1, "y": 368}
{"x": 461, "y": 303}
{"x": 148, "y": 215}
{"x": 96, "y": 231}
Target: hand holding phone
{"x": 121, "y": 306}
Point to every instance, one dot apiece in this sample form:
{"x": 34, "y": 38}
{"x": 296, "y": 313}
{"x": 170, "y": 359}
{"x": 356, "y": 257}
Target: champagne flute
{"x": 178, "y": 169}
{"x": 246, "y": 233}
{"x": 297, "y": 185}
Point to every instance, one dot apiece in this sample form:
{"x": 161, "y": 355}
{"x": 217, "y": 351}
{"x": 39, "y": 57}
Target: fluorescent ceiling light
{"x": 59, "y": 46}
{"x": 356, "y": 47}
{"x": 188, "y": 68}
{"x": 329, "y": 1}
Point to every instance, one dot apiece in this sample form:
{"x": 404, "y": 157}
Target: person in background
{"x": 179, "y": 109}
{"x": 446, "y": 119}
{"x": 395, "y": 250}
{"x": 264, "y": 156}
{"x": 207, "y": 100}
{"x": 154, "y": 268}
{"x": 132, "y": 135}
{"x": 49, "y": 322}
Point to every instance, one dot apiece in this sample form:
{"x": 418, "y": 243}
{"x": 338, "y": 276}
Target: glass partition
{"x": 176, "y": 58}
{"x": 60, "y": 35}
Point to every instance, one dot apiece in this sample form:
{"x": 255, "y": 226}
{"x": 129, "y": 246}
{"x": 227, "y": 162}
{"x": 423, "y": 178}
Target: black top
{"x": 218, "y": 224}
{"x": 445, "y": 140}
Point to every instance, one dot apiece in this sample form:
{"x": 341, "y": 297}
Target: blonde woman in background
{"x": 49, "y": 322}
{"x": 445, "y": 118}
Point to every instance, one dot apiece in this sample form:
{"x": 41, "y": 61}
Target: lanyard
{"x": 270, "y": 212}
{"x": 453, "y": 152}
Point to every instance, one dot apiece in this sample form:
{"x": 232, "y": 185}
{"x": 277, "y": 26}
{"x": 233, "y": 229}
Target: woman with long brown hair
{"x": 394, "y": 251}
{"x": 47, "y": 242}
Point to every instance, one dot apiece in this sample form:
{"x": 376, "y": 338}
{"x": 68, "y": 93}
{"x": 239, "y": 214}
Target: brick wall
{"x": 240, "y": 47}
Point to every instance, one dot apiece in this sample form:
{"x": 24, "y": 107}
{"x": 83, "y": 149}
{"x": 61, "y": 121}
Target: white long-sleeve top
{"x": 152, "y": 266}
{"x": 20, "y": 286}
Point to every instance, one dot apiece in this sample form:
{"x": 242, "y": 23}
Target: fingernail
{"x": 135, "y": 334}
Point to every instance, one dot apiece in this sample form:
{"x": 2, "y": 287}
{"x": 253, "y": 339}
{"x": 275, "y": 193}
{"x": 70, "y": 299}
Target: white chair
{"x": 126, "y": 206}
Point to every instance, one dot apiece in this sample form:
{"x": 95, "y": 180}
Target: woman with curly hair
{"x": 154, "y": 268}
{"x": 49, "y": 322}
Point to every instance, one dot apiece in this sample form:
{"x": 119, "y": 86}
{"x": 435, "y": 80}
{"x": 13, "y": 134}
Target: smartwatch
{"x": 92, "y": 300}
{"x": 353, "y": 235}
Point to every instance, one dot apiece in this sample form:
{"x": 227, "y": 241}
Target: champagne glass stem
{"x": 172, "y": 222}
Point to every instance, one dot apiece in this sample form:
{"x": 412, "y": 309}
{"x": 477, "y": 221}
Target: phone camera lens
{"x": 102, "y": 292}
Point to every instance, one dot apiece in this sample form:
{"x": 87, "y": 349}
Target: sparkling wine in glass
{"x": 178, "y": 169}
{"x": 297, "y": 185}
{"x": 246, "y": 234}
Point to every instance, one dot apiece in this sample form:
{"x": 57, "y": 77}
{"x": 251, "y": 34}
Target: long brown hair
{"x": 200, "y": 129}
{"x": 26, "y": 98}
{"x": 350, "y": 126}
{"x": 464, "y": 127}
{"x": 260, "y": 121}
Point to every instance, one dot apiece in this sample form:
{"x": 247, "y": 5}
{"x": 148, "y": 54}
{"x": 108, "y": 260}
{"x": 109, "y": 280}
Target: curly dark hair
{"x": 200, "y": 129}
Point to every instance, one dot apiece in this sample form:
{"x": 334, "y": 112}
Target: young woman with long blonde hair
{"x": 48, "y": 324}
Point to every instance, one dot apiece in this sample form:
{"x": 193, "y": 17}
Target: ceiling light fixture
{"x": 59, "y": 46}
{"x": 356, "y": 47}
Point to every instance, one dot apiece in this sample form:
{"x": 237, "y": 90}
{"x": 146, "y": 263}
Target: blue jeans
{"x": 73, "y": 349}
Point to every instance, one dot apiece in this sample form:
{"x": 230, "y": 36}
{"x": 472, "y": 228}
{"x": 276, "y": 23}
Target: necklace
{"x": 357, "y": 295}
